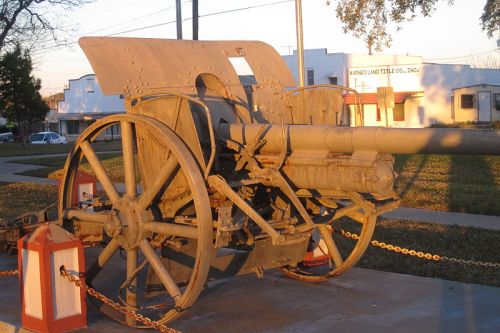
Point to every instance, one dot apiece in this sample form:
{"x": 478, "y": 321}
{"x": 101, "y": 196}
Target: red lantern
{"x": 85, "y": 187}
{"x": 49, "y": 302}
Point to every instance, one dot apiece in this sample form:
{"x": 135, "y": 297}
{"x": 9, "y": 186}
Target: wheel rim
{"x": 340, "y": 260}
{"x": 133, "y": 218}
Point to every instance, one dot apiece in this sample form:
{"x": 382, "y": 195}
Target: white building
{"x": 84, "y": 103}
{"x": 473, "y": 103}
{"x": 423, "y": 92}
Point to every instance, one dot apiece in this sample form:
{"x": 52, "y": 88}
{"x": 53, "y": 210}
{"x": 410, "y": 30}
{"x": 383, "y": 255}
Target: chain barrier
{"x": 94, "y": 293}
{"x": 419, "y": 254}
{"x": 164, "y": 329}
{"x": 118, "y": 307}
{"x": 9, "y": 273}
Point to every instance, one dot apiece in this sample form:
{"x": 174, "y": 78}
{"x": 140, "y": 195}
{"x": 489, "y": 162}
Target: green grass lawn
{"x": 452, "y": 241}
{"x": 19, "y": 198}
{"x": 444, "y": 240}
{"x": 17, "y": 149}
{"x": 112, "y": 162}
{"x": 467, "y": 184}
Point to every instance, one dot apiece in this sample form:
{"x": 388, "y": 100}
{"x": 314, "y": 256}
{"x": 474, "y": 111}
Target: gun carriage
{"x": 228, "y": 169}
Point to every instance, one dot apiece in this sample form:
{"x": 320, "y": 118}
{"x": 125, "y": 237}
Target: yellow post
{"x": 300, "y": 42}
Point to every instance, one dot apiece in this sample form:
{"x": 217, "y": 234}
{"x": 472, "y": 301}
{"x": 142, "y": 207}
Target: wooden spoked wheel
{"x": 340, "y": 253}
{"x": 173, "y": 203}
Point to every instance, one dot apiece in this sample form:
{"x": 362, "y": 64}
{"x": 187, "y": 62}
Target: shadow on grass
{"x": 401, "y": 163}
{"x": 445, "y": 240}
{"x": 472, "y": 186}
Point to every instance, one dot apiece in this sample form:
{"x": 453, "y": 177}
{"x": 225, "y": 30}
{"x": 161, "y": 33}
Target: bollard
{"x": 49, "y": 303}
{"x": 317, "y": 256}
{"x": 85, "y": 187}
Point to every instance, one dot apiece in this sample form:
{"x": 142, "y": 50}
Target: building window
{"x": 310, "y": 77}
{"x": 497, "y": 102}
{"x": 72, "y": 127}
{"x": 467, "y": 101}
{"x": 90, "y": 85}
{"x": 333, "y": 80}
{"x": 399, "y": 112}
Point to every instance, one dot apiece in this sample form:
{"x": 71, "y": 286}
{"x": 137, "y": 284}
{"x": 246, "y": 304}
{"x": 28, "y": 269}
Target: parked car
{"x": 6, "y": 137}
{"x": 47, "y": 137}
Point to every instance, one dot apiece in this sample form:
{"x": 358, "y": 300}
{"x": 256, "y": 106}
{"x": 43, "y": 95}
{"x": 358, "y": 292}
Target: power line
{"x": 143, "y": 28}
{"x": 155, "y": 13}
{"x": 246, "y": 8}
{"x": 462, "y": 57}
{"x": 171, "y": 22}
{"x": 205, "y": 15}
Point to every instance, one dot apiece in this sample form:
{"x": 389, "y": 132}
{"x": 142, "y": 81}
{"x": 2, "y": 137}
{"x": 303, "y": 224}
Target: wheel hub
{"x": 127, "y": 223}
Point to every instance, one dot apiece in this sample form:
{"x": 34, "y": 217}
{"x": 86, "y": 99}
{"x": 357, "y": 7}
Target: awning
{"x": 371, "y": 98}
{"x": 84, "y": 116}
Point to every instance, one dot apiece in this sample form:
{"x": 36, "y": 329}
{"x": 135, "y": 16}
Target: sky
{"x": 451, "y": 35}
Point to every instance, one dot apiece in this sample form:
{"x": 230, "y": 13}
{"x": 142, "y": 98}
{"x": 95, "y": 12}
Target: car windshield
{"x": 37, "y": 137}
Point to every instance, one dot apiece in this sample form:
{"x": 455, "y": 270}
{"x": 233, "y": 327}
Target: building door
{"x": 484, "y": 105}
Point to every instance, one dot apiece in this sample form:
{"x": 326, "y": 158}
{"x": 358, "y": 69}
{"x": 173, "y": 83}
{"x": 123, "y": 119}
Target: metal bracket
{"x": 225, "y": 225}
{"x": 273, "y": 177}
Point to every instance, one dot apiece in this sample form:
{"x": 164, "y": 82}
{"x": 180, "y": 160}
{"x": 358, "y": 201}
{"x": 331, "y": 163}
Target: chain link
{"x": 9, "y": 273}
{"x": 420, "y": 254}
{"x": 118, "y": 307}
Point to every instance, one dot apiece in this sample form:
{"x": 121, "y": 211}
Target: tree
{"x": 368, "y": 19}
{"x": 20, "y": 99}
{"x": 491, "y": 17}
{"x": 31, "y": 22}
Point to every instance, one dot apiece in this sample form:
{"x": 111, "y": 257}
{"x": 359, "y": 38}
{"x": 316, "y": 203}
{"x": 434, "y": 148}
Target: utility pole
{"x": 195, "y": 19}
{"x": 300, "y": 42}
{"x": 178, "y": 18}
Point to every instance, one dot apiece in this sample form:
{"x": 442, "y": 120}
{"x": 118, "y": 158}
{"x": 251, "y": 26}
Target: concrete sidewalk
{"x": 360, "y": 301}
{"x": 8, "y": 170}
{"x": 466, "y": 220}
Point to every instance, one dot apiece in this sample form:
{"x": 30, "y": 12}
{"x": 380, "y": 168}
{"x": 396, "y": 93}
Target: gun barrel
{"x": 349, "y": 139}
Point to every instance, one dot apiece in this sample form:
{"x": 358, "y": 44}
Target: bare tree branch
{"x": 29, "y": 22}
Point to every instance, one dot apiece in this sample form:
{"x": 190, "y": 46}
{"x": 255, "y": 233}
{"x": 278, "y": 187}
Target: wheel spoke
{"x": 131, "y": 295}
{"x": 175, "y": 167}
{"x": 167, "y": 172}
{"x": 100, "y": 172}
{"x": 172, "y": 229}
{"x": 101, "y": 260}
{"x": 160, "y": 270}
{"x": 87, "y": 216}
{"x": 128, "y": 158}
{"x": 326, "y": 234}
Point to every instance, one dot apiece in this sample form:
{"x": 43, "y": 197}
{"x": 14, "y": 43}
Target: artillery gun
{"x": 229, "y": 170}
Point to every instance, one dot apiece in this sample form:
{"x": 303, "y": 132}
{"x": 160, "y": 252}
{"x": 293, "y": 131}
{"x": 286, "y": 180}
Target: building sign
{"x": 401, "y": 77}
